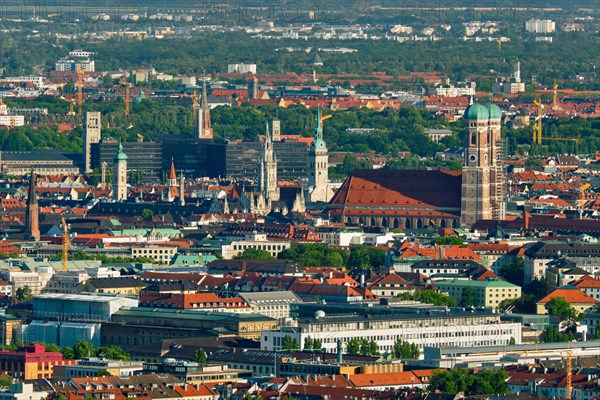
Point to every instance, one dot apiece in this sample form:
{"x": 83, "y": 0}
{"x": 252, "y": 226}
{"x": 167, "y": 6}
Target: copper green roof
{"x": 494, "y": 111}
{"x": 477, "y": 112}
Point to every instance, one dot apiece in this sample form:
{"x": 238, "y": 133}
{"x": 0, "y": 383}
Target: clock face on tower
{"x": 472, "y": 158}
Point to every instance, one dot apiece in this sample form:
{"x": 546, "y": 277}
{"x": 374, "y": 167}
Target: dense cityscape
{"x": 300, "y": 200}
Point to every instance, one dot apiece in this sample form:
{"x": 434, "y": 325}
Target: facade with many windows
{"x": 463, "y": 329}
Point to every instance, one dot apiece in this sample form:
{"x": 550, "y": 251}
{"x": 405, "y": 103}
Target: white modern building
{"x": 540, "y": 26}
{"x": 241, "y": 68}
{"x": 462, "y": 329}
{"x": 272, "y": 304}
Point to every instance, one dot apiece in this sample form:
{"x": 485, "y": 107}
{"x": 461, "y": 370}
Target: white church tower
{"x": 120, "y": 177}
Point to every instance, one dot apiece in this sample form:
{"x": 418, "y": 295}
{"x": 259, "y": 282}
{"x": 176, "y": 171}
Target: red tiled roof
{"x": 572, "y": 295}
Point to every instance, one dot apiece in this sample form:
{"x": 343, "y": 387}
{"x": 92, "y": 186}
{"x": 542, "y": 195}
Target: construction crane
{"x": 127, "y": 99}
{"x": 65, "y": 246}
{"x": 569, "y": 388}
{"x": 582, "y": 191}
{"x": 195, "y": 105}
{"x": 537, "y": 128}
{"x": 574, "y": 140}
{"x": 80, "y": 92}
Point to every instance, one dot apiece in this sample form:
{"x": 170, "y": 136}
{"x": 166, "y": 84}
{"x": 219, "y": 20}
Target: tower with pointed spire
{"x": 172, "y": 183}
{"x": 204, "y": 127}
{"x": 32, "y": 212}
{"x": 318, "y": 165}
{"x": 267, "y": 170}
{"x": 120, "y": 178}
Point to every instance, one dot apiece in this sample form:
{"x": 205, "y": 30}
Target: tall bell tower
{"x": 482, "y": 176}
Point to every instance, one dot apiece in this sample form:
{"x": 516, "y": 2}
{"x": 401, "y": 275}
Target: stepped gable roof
{"x": 400, "y": 188}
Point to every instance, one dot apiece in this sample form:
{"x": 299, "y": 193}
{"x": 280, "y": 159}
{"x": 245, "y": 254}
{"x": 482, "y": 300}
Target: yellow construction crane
{"x": 574, "y": 140}
{"x": 65, "y": 246}
{"x": 537, "y": 128}
{"x": 80, "y": 92}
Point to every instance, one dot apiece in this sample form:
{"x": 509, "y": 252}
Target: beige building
{"x": 485, "y": 293}
{"x": 162, "y": 254}
{"x": 254, "y": 241}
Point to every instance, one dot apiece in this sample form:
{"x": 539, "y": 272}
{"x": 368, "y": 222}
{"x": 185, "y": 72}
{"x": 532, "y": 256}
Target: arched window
{"x": 419, "y": 224}
{"x": 384, "y": 222}
{"x": 473, "y": 138}
{"x": 407, "y": 224}
{"x": 361, "y": 221}
{"x": 443, "y": 223}
{"x": 372, "y": 222}
{"x": 396, "y": 223}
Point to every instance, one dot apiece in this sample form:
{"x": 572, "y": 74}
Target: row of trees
{"x": 318, "y": 254}
{"x": 81, "y": 349}
{"x": 460, "y": 380}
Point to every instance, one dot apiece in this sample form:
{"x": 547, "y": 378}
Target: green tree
{"x": 553, "y": 335}
{"x": 561, "y": 307}
{"x": 315, "y": 255}
{"x": 429, "y": 296}
{"x": 5, "y": 381}
{"x": 512, "y": 341}
{"x": 597, "y": 331}
{"x": 467, "y": 298}
{"x": 353, "y": 346}
{"x": 449, "y": 240}
{"x": 23, "y": 294}
{"x": 459, "y": 380}
{"x": 254, "y": 254}
{"x": 200, "y": 355}
{"x": 317, "y": 344}
{"x": 524, "y": 304}
{"x": 68, "y": 353}
{"x": 308, "y": 343}
{"x": 406, "y": 350}
{"x": 147, "y": 214}
{"x": 365, "y": 257}
{"x": 288, "y": 342}
{"x": 513, "y": 272}
{"x": 82, "y": 349}
{"x": 113, "y": 353}
{"x": 104, "y": 372}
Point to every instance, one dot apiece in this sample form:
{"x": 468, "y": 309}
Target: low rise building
{"x": 31, "y": 361}
{"x": 580, "y": 301}
{"x": 257, "y": 241}
{"x": 272, "y": 304}
{"x": 457, "y": 328}
{"x": 90, "y": 367}
{"x": 488, "y": 293}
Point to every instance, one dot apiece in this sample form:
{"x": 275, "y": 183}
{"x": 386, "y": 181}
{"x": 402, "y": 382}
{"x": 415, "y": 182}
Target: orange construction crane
{"x": 127, "y": 99}
{"x": 80, "y": 92}
{"x": 65, "y": 246}
{"x": 569, "y": 388}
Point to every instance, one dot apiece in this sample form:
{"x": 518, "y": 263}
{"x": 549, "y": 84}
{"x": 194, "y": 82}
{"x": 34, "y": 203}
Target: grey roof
{"x": 270, "y": 297}
{"x": 104, "y": 283}
{"x": 67, "y": 158}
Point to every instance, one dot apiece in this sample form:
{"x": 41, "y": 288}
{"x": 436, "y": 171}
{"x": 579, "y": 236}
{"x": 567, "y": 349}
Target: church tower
{"x": 91, "y": 134}
{"x": 120, "y": 178}
{"x": 318, "y": 165}
{"x": 172, "y": 183}
{"x": 267, "y": 170}
{"x": 482, "y": 176}
{"x": 204, "y": 128}
{"x": 32, "y": 212}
